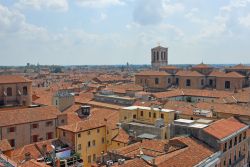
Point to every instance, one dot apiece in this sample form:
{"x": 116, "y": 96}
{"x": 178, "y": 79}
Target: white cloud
{"x": 169, "y": 9}
{"x": 99, "y": 3}
{"x": 233, "y": 4}
{"x": 245, "y": 21}
{"x": 149, "y": 12}
{"x": 193, "y": 16}
{"x": 58, "y": 5}
{"x": 12, "y": 21}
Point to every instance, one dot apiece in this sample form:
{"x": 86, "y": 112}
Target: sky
{"x": 97, "y": 32}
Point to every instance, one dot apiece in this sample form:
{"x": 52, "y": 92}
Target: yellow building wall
{"x": 115, "y": 145}
{"x": 96, "y": 149}
{"x": 148, "y": 116}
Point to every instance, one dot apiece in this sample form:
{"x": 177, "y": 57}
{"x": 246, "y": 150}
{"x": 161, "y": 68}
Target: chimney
{"x": 153, "y": 161}
{"x": 27, "y": 156}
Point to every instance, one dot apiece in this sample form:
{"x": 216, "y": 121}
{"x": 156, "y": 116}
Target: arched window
{"x": 25, "y": 90}
{"x": 9, "y": 91}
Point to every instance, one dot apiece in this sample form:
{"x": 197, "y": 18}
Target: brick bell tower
{"x": 159, "y": 57}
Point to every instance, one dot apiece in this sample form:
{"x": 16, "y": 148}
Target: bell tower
{"x": 159, "y": 57}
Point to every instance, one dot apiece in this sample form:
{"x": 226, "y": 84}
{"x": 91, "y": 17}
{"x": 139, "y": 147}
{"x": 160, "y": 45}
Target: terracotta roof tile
{"x": 189, "y": 74}
{"x": 26, "y": 115}
{"x": 152, "y": 73}
{"x": 194, "y": 153}
{"x": 82, "y": 126}
{"x": 4, "y": 79}
{"x": 122, "y": 136}
{"x": 202, "y": 66}
{"x": 5, "y": 145}
{"x": 223, "y": 128}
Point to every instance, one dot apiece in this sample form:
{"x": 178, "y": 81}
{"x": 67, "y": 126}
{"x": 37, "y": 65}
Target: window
{"x": 227, "y": 85}
{"x": 169, "y": 80}
{"x": 235, "y": 140}
{"x": 149, "y": 114}
{"x": 240, "y": 137}
{"x": 93, "y": 142}
{"x": 88, "y": 132}
{"x": 230, "y": 143}
{"x": 202, "y": 82}
{"x": 64, "y": 133}
{"x": 62, "y": 121}
{"x": 94, "y": 157}
{"x": 245, "y": 135}
{"x": 177, "y": 81}
{"x": 9, "y": 91}
{"x": 49, "y": 123}
{"x": 157, "y": 55}
{"x": 162, "y": 116}
{"x": 79, "y": 147}
{"x": 118, "y": 144}
{"x": 224, "y": 163}
{"x": 188, "y": 82}
{"x": 79, "y": 135}
{"x": 156, "y": 81}
{"x": 141, "y": 113}
{"x": 98, "y": 130}
{"x": 154, "y": 115}
{"x": 49, "y": 135}
{"x": 225, "y": 147}
{"x": 125, "y": 118}
{"x": 11, "y": 129}
{"x": 89, "y": 143}
{"x": 25, "y": 90}
{"x": 34, "y": 126}
{"x": 210, "y": 82}
{"x": 12, "y": 142}
{"x": 89, "y": 159}
{"x": 134, "y": 116}
{"x": 35, "y": 138}
{"x": 103, "y": 140}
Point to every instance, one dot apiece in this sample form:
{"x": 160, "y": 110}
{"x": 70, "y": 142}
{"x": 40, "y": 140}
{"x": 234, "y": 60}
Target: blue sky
{"x": 81, "y": 32}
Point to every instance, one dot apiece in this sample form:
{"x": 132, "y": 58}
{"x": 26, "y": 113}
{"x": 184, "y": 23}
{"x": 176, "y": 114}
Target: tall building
{"x": 159, "y": 57}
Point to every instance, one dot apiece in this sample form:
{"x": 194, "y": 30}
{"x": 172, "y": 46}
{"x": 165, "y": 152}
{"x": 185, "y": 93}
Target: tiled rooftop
{"x": 224, "y": 128}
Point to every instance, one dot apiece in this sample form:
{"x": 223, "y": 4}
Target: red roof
{"x": 6, "y": 79}
{"x": 152, "y": 73}
{"x": 202, "y": 66}
{"x": 226, "y": 75}
{"x": 224, "y": 127}
{"x": 189, "y": 74}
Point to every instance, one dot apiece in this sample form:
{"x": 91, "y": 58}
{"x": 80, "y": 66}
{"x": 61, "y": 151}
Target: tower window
{"x": 188, "y": 82}
{"x": 202, "y": 82}
{"x": 156, "y": 81}
{"x": 9, "y": 91}
{"x": 25, "y": 90}
{"x": 227, "y": 85}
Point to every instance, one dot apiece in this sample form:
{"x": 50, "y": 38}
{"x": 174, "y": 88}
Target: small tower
{"x": 159, "y": 57}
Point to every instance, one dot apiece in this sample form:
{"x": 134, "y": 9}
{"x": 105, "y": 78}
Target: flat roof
{"x": 204, "y": 121}
{"x": 147, "y": 108}
{"x": 197, "y": 125}
{"x": 147, "y": 136}
{"x": 184, "y": 121}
